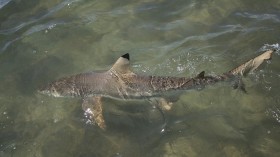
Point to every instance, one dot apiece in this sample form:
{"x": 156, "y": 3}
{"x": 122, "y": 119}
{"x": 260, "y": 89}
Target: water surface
{"x": 41, "y": 41}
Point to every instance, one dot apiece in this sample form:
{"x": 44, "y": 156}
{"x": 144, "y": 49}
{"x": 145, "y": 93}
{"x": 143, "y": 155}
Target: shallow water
{"x": 41, "y": 41}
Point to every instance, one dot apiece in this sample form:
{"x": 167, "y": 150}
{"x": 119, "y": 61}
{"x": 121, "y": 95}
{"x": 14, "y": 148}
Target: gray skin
{"x": 121, "y": 83}
{"x": 129, "y": 86}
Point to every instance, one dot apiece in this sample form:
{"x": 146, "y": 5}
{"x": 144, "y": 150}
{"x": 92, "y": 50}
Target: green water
{"x": 41, "y": 41}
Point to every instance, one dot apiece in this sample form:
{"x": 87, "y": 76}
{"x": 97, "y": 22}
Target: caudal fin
{"x": 252, "y": 64}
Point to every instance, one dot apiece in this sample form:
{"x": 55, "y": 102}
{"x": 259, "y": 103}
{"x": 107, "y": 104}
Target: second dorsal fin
{"x": 201, "y": 75}
{"x": 122, "y": 65}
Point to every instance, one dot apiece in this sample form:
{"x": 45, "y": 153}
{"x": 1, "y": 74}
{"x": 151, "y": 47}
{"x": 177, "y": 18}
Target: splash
{"x": 275, "y": 113}
{"x": 272, "y": 46}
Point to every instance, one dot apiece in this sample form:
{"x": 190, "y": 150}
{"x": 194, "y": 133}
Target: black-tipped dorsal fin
{"x": 201, "y": 75}
{"x": 126, "y": 56}
{"x": 122, "y": 65}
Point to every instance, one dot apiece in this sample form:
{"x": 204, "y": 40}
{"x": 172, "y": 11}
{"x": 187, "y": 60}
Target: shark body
{"x": 121, "y": 82}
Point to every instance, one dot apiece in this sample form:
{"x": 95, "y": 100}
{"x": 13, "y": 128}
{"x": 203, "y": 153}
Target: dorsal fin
{"x": 122, "y": 65}
{"x": 201, "y": 75}
{"x": 126, "y": 56}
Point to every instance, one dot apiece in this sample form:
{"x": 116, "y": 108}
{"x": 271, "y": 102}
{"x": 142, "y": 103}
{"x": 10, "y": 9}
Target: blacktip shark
{"x": 120, "y": 82}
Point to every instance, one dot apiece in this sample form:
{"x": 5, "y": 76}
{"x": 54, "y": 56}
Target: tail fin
{"x": 252, "y": 64}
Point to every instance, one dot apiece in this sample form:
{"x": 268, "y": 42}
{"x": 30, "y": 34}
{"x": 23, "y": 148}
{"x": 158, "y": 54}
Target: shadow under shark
{"x": 120, "y": 82}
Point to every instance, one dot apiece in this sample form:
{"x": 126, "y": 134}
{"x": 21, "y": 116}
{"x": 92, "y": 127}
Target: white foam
{"x": 271, "y": 46}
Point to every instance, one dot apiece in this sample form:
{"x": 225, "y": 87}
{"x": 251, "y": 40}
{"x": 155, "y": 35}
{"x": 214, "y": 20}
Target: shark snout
{"x": 43, "y": 90}
{"x": 47, "y": 89}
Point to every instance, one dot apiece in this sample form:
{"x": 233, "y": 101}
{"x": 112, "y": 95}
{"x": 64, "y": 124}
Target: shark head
{"x": 60, "y": 88}
{"x": 79, "y": 85}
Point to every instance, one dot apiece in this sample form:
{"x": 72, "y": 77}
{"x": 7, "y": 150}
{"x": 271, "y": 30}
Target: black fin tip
{"x": 126, "y": 56}
{"x": 201, "y": 74}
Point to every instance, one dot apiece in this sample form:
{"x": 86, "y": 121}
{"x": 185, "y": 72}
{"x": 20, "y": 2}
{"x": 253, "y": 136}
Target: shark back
{"x": 121, "y": 82}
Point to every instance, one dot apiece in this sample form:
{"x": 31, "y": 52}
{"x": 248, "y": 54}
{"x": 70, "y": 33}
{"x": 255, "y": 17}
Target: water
{"x": 41, "y": 41}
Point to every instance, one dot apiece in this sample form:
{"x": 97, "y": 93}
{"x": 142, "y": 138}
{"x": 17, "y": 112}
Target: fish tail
{"x": 245, "y": 68}
{"x": 251, "y": 65}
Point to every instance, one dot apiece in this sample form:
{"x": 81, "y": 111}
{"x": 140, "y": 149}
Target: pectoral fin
{"x": 161, "y": 103}
{"x": 239, "y": 84}
{"x": 93, "y": 110}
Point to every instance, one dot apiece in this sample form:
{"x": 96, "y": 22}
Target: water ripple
{"x": 33, "y": 29}
{"x": 3, "y": 3}
{"x": 40, "y": 27}
{"x": 33, "y": 20}
{"x": 204, "y": 37}
{"x": 260, "y": 17}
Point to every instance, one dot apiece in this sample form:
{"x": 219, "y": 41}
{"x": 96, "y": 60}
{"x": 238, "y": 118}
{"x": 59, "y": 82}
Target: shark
{"x": 120, "y": 82}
